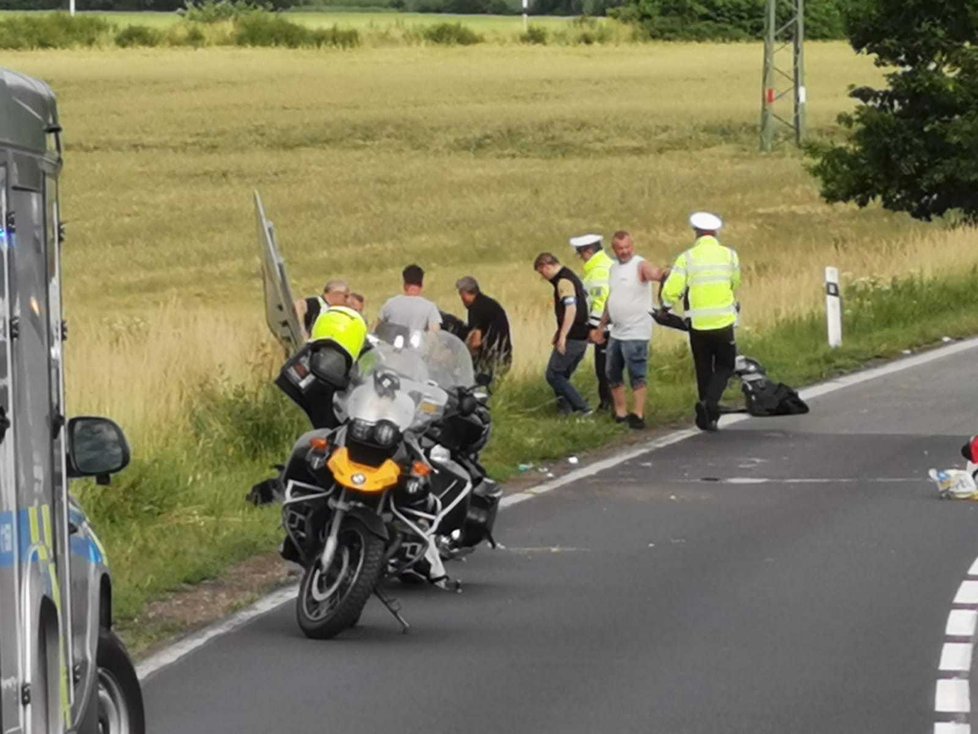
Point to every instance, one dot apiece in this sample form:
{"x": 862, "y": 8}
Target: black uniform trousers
{"x": 714, "y": 357}
{"x": 600, "y": 359}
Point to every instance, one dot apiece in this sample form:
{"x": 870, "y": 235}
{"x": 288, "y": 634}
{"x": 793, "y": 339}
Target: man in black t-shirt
{"x": 488, "y": 338}
{"x": 335, "y": 293}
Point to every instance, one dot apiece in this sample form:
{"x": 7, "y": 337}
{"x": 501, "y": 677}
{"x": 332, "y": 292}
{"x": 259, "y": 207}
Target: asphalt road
{"x": 783, "y": 575}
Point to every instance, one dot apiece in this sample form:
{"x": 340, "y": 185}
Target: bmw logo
{"x": 358, "y": 478}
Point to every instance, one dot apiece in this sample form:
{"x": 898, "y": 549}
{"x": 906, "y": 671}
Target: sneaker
{"x": 586, "y": 413}
{"x": 621, "y": 418}
{"x": 635, "y": 422}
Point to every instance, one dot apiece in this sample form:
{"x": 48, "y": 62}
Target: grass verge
{"x": 180, "y": 517}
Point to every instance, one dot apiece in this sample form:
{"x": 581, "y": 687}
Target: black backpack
{"x": 763, "y": 396}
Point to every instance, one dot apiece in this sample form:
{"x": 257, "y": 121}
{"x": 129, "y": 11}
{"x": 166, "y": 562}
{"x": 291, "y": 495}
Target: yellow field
{"x": 467, "y": 161}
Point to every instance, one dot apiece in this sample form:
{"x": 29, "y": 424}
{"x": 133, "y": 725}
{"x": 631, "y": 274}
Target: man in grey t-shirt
{"x": 410, "y": 311}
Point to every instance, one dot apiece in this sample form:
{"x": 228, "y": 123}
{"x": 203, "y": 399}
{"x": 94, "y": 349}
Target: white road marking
{"x": 951, "y": 727}
{"x": 189, "y": 644}
{"x": 806, "y": 480}
{"x": 956, "y": 657}
{"x": 953, "y": 696}
{"x": 967, "y": 593}
{"x": 169, "y": 655}
{"x": 961, "y": 623}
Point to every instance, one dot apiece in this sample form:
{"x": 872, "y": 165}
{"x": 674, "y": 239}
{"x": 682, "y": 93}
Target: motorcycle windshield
{"x": 407, "y": 382}
{"x": 448, "y": 360}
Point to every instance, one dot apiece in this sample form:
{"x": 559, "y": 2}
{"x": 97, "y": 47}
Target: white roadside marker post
{"x": 833, "y": 307}
{"x": 71, "y": 7}
{"x": 525, "y": 21}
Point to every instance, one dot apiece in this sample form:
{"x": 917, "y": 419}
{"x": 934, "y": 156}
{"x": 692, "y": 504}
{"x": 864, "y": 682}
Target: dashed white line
{"x": 967, "y": 593}
{"x": 956, "y": 657}
{"x": 961, "y": 623}
{"x": 951, "y": 727}
{"x": 953, "y": 696}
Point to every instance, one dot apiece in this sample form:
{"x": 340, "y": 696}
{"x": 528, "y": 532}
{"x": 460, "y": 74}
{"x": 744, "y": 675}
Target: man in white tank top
{"x": 628, "y": 311}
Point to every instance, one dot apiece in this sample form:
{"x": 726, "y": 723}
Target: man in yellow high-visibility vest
{"x": 596, "y": 279}
{"x": 705, "y": 279}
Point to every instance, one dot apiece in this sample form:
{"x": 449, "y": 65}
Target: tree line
{"x": 727, "y": 20}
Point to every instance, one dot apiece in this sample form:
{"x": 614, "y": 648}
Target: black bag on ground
{"x": 763, "y": 396}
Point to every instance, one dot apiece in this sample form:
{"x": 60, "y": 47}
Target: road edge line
{"x": 180, "y": 649}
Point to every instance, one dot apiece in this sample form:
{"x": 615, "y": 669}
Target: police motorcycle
{"x": 394, "y": 488}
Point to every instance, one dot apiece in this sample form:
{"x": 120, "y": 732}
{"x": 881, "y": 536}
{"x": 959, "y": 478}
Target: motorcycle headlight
{"x": 386, "y": 434}
{"x": 360, "y": 430}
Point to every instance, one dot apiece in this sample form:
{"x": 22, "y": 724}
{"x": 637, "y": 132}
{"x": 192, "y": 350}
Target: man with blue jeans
{"x": 629, "y": 311}
{"x": 570, "y": 340}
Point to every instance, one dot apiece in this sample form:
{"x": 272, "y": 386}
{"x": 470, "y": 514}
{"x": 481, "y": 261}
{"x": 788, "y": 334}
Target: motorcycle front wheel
{"x": 330, "y": 600}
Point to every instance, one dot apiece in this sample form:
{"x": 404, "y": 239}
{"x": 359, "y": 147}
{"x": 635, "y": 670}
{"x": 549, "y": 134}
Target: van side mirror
{"x": 97, "y": 447}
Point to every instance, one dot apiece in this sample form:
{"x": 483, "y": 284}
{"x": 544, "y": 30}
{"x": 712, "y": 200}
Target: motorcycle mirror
{"x": 330, "y": 366}
{"x": 483, "y": 379}
{"x": 467, "y": 404}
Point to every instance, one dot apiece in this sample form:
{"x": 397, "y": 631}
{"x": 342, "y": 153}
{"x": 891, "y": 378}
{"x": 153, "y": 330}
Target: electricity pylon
{"x": 784, "y": 28}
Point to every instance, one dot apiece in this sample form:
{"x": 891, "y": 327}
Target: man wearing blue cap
{"x": 705, "y": 278}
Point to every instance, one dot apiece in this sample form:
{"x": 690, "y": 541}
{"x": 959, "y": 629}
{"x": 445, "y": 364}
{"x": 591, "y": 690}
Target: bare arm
{"x": 570, "y": 312}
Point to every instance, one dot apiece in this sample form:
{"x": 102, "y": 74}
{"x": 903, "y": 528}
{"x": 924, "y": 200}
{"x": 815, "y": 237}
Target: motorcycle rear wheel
{"x": 331, "y": 600}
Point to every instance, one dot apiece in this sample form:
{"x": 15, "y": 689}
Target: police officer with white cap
{"x": 705, "y": 278}
{"x": 597, "y": 283}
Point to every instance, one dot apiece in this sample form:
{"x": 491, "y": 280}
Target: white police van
{"x": 62, "y": 669}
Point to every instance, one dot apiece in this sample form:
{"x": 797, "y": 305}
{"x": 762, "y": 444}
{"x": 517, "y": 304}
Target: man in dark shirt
{"x": 335, "y": 293}
{"x": 488, "y": 337}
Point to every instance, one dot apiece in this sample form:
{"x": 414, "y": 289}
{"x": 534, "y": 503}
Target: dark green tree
{"x": 913, "y": 146}
{"x": 722, "y": 20}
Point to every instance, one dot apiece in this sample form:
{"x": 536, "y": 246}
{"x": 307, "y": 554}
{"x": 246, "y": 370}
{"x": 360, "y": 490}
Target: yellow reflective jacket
{"x": 597, "y": 283}
{"x": 707, "y": 274}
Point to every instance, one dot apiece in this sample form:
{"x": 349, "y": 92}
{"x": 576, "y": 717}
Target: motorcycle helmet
{"x": 970, "y": 450}
{"x": 342, "y": 326}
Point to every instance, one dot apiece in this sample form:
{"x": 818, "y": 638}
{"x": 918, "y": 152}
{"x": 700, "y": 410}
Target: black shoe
{"x": 621, "y": 418}
{"x": 702, "y": 417}
{"x": 605, "y": 406}
{"x": 635, "y": 422}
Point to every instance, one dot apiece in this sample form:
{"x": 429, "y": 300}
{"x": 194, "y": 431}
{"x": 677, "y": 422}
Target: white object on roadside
{"x": 954, "y": 483}
{"x": 833, "y": 307}
{"x": 572, "y": 460}
{"x": 946, "y": 339}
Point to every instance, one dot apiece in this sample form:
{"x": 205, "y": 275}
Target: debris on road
{"x": 572, "y": 460}
{"x": 959, "y": 484}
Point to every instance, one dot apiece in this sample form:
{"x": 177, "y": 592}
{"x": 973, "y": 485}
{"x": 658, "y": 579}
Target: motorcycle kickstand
{"x": 394, "y": 607}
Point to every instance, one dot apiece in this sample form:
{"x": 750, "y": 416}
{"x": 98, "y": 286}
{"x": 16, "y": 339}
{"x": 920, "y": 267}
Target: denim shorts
{"x": 633, "y": 353}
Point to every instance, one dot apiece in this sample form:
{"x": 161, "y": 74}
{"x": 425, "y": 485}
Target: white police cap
{"x": 586, "y": 240}
{"x": 705, "y": 222}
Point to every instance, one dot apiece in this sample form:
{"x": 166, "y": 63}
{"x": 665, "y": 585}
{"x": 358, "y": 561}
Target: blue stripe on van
{"x": 82, "y": 546}
{"x": 7, "y": 557}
